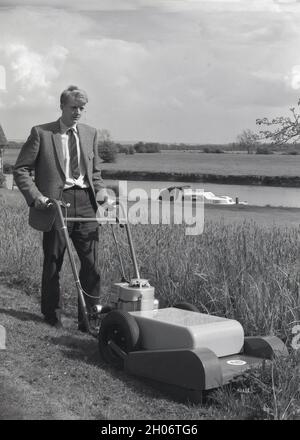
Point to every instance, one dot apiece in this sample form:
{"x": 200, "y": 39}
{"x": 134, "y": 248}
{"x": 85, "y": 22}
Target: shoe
{"x": 53, "y": 321}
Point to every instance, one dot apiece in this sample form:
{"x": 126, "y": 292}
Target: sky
{"x": 189, "y": 71}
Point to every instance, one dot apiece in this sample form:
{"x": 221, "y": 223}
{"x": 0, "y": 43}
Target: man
{"x": 64, "y": 157}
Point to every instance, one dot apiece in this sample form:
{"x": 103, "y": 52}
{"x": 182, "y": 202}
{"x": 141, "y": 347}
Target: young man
{"x": 64, "y": 157}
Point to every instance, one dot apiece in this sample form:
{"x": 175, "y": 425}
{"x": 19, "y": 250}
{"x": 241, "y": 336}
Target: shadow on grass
{"x": 78, "y": 348}
{"x": 22, "y": 315}
{"x": 83, "y": 347}
{"x": 86, "y": 349}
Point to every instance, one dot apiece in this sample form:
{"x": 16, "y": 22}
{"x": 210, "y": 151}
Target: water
{"x": 254, "y": 195}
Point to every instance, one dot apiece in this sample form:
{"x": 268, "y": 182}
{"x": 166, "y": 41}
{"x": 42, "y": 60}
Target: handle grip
{"x": 52, "y": 202}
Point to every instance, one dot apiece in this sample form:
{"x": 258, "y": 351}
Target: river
{"x": 254, "y": 195}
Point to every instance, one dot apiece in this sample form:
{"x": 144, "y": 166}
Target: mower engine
{"x": 137, "y": 295}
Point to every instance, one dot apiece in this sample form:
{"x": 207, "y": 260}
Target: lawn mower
{"x": 184, "y": 351}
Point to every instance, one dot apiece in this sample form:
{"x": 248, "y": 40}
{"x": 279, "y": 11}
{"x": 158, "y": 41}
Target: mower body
{"x": 187, "y": 352}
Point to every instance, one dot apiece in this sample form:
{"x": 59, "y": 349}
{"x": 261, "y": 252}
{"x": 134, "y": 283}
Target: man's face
{"x": 72, "y": 111}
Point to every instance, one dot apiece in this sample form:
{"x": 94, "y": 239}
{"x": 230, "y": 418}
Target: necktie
{"x": 74, "y": 164}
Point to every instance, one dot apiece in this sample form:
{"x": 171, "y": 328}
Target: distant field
{"x": 191, "y": 162}
{"x": 236, "y": 164}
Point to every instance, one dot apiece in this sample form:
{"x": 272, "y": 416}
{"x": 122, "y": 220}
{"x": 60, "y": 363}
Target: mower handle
{"x": 58, "y": 204}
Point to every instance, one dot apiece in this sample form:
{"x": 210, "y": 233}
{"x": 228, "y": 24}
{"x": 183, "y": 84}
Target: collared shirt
{"x": 70, "y": 181}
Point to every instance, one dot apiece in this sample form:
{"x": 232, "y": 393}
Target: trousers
{"x": 84, "y": 236}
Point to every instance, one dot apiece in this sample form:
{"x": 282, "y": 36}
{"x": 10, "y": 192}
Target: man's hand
{"x": 41, "y": 203}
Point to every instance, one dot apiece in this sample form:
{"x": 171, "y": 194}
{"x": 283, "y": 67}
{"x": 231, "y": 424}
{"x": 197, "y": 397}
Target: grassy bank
{"x": 230, "y": 179}
{"x": 202, "y": 163}
{"x": 237, "y": 269}
{"x": 233, "y": 168}
{"x": 271, "y": 169}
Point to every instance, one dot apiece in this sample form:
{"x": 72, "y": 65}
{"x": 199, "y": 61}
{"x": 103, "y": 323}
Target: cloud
{"x": 225, "y": 5}
{"x": 93, "y": 5}
{"x": 239, "y": 89}
{"x": 32, "y": 70}
{"x": 2, "y": 78}
{"x": 293, "y": 78}
{"x": 162, "y": 5}
{"x": 34, "y": 46}
{"x": 151, "y": 68}
{"x": 44, "y": 50}
{"x": 32, "y": 73}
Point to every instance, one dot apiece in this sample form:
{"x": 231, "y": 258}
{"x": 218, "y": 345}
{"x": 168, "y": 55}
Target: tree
{"x": 130, "y": 150}
{"x": 140, "y": 147}
{"x": 106, "y": 147}
{"x": 283, "y": 129}
{"x": 248, "y": 140}
{"x": 126, "y": 149}
{"x": 264, "y": 149}
{"x": 147, "y": 147}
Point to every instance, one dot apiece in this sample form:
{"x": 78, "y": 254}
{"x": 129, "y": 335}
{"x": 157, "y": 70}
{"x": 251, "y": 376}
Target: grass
{"x": 222, "y": 164}
{"x": 193, "y": 162}
{"x": 271, "y": 392}
{"x": 241, "y": 270}
{"x": 57, "y": 374}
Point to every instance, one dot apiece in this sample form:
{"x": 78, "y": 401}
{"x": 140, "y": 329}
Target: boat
{"x": 186, "y": 192}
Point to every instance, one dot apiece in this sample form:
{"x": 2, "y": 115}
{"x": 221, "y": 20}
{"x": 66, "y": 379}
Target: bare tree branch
{"x": 285, "y": 129}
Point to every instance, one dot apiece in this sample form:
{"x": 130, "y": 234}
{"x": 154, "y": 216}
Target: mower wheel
{"x": 120, "y": 328}
{"x": 186, "y": 306}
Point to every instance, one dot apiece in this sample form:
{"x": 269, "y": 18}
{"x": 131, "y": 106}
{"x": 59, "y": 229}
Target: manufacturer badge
{"x": 236, "y": 362}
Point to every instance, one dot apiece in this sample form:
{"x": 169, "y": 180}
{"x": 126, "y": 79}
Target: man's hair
{"x": 75, "y": 92}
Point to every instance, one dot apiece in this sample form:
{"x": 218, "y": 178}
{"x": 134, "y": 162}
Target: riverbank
{"x": 248, "y": 179}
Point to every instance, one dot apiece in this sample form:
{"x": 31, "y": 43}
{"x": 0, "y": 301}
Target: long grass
{"x": 271, "y": 392}
{"x": 241, "y": 270}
